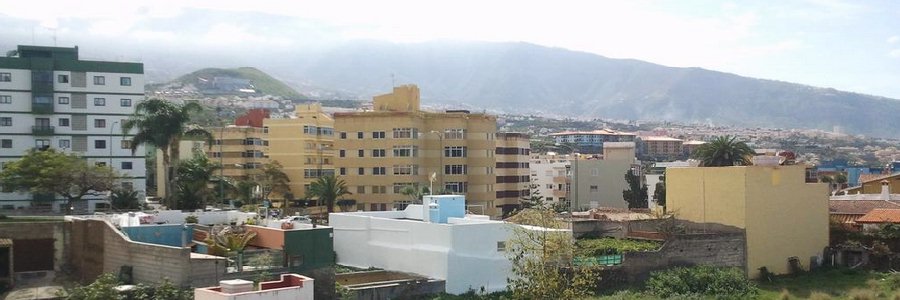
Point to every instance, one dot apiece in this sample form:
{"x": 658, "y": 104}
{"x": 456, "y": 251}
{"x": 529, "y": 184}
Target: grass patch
{"x": 612, "y": 246}
{"x": 836, "y": 283}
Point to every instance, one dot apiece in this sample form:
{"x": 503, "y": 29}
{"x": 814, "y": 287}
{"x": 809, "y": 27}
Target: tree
{"x": 534, "y": 198}
{"x": 58, "y": 173}
{"x": 192, "y": 189}
{"x": 659, "y": 194}
{"x": 840, "y": 179}
{"x": 724, "y": 151}
{"x": 164, "y": 124}
{"x": 273, "y": 179}
{"x": 125, "y": 199}
{"x": 415, "y": 192}
{"x": 327, "y": 189}
{"x": 636, "y": 194}
{"x": 542, "y": 259}
{"x": 233, "y": 240}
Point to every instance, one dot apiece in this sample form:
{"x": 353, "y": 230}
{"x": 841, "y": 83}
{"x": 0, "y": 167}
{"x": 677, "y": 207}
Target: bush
{"x": 701, "y": 280}
{"x": 612, "y": 246}
{"x": 191, "y": 219}
{"x": 893, "y": 281}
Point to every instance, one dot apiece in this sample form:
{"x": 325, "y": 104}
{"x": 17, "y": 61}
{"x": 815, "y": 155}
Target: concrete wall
{"x": 465, "y": 255}
{"x": 782, "y": 214}
{"x": 150, "y": 263}
{"x": 40, "y": 230}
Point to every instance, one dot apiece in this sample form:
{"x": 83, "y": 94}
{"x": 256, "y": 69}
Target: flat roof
{"x": 598, "y": 132}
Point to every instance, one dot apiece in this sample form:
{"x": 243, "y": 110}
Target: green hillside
{"x": 265, "y": 84}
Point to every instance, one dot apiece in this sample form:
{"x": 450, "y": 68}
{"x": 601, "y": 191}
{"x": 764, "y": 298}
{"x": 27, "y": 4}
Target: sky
{"x": 847, "y": 45}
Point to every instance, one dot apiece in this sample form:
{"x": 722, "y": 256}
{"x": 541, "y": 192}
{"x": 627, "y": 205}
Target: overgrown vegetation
{"x": 104, "y": 288}
{"x": 701, "y": 280}
{"x": 611, "y": 246}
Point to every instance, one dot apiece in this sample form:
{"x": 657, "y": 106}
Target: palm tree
{"x": 724, "y": 151}
{"x": 164, "y": 124}
{"x": 415, "y": 192}
{"x": 327, "y": 189}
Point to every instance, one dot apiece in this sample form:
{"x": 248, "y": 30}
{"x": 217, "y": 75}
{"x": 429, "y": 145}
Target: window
{"x": 406, "y": 169}
{"x": 361, "y": 171}
{"x": 343, "y": 171}
{"x": 342, "y": 153}
{"x": 99, "y": 123}
{"x": 128, "y": 186}
{"x": 379, "y": 171}
{"x": 378, "y": 152}
{"x": 405, "y": 133}
{"x": 343, "y": 135}
{"x": 379, "y": 189}
{"x": 62, "y": 78}
{"x": 6, "y": 143}
{"x": 42, "y": 144}
{"x": 126, "y": 165}
{"x": 501, "y": 246}
{"x": 5, "y": 77}
{"x": 378, "y": 134}
{"x": 64, "y": 122}
{"x": 100, "y": 144}
{"x": 99, "y": 101}
{"x": 65, "y": 144}
{"x": 42, "y": 122}
{"x": 454, "y": 134}
{"x": 125, "y": 102}
{"x": 359, "y": 135}
{"x": 594, "y": 189}
{"x": 361, "y": 189}
{"x": 457, "y": 187}
{"x": 126, "y": 144}
{"x": 398, "y": 186}
{"x": 125, "y": 81}
{"x": 406, "y": 151}
{"x": 361, "y": 153}
{"x": 99, "y": 80}
{"x": 455, "y": 169}
{"x": 595, "y": 172}
{"x": 5, "y": 99}
{"x": 63, "y": 100}
{"x": 455, "y": 151}
{"x": 5, "y": 121}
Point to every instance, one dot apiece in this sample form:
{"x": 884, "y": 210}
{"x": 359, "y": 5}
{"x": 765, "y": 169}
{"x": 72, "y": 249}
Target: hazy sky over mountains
{"x": 848, "y": 45}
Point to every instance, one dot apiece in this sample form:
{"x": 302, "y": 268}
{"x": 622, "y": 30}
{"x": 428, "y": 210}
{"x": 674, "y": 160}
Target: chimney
{"x": 885, "y": 190}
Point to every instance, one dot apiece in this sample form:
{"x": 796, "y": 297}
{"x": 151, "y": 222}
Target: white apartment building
{"x": 51, "y": 99}
{"x": 550, "y": 175}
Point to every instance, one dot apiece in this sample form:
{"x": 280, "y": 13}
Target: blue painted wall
{"x": 176, "y": 235}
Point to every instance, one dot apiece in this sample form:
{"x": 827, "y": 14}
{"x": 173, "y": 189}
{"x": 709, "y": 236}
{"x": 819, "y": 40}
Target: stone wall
{"x": 716, "y": 249}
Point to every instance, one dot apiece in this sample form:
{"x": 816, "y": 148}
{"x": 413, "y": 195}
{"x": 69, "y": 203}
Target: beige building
{"x": 600, "y": 182}
{"x": 551, "y": 178}
{"x": 186, "y": 151}
{"x": 396, "y": 144}
{"x": 782, "y": 215}
{"x": 512, "y": 168}
{"x": 240, "y": 149}
{"x": 661, "y": 146}
{"x": 303, "y": 145}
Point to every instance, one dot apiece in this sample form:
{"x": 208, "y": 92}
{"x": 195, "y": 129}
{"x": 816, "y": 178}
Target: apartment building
{"x": 396, "y": 144}
{"x": 240, "y": 149}
{"x": 303, "y": 145}
{"x": 512, "y": 168}
{"x": 661, "y": 147}
{"x": 550, "y": 176}
{"x": 49, "y": 98}
{"x": 591, "y": 142}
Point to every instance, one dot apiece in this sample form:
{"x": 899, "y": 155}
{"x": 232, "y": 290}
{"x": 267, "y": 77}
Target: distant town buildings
{"x": 591, "y": 142}
{"x": 49, "y": 98}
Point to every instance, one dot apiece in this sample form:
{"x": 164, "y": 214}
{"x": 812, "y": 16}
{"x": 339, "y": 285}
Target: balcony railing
{"x": 42, "y": 108}
{"x": 42, "y": 130}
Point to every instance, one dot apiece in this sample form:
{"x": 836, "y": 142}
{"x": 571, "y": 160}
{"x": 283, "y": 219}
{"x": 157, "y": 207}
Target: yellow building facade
{"x": 874, "y": 185}
{"x": 303, "y": 145}
{"x": 781, "y": 215}
{"x": 396, "y": 144}
{"x": 512, "y": 168}
{"x": 241, "y": 150}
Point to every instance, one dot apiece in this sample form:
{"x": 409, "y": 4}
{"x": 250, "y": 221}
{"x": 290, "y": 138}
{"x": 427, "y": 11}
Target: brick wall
{"x": 150, "y": 263}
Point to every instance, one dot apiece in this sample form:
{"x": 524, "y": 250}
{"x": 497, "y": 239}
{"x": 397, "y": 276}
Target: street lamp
{"x": 441, "y": 159}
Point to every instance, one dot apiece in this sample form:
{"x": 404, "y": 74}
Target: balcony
{"x": 43, "y": 197}
{"x": 42, "y": 130}
{"x": 42, "y": 108}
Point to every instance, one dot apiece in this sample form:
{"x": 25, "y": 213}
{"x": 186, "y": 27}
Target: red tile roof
{"x": 880, "y": 215}
{"x": 859, "y": 207}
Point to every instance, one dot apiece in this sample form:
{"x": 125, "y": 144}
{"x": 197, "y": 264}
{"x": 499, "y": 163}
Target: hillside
{"x": 526, "y": 78}
{"x": 235, "y": 81}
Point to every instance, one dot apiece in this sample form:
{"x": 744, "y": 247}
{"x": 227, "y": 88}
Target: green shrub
{"x": 190, "y": 219}
{"x": 612, "y": 246}
{"x": 701, "y": 280}
{"x": 893, "y": 281}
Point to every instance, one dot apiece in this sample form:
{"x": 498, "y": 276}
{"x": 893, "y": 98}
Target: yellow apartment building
{"x": 873, "y": 185}
{"x": 303, "y": 145}
{"x": 396, "y": 144}
{"x": 513, "y": 173}
{"x": 781, "y": 215}
{"x": 240, "y": 149}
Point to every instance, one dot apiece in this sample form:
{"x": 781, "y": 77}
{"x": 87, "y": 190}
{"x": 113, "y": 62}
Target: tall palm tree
{"x": 724, "y": 151}
{"x": 164, "y": 124}
{"x": 327, "y": 189}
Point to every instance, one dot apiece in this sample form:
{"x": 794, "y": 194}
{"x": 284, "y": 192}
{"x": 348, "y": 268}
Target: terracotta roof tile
{"x": 880, "y": 215}
{"x": 859, "y": 207}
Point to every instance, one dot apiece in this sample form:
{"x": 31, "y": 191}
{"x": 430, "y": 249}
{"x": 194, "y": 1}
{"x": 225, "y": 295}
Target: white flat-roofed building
{"x": 49, "y": 98}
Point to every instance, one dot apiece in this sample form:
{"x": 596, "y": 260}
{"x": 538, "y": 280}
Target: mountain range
{"x": 532, "y": 79}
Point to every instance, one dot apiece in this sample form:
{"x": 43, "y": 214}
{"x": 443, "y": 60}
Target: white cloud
{"x": 893, "y": 39}
{"x": 894, "y": 53}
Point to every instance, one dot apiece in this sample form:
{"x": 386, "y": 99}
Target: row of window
{"x": 63, "y": 78}
{"x": 45, "y": 122}
{"x": 7, "y": 99}
{"x": 408, "y": 170}
{"x": 410, "y": 133}
{"x": 307, "y": 129}
{"x": 63, "y": 144}
{"x": 452, "y": 187}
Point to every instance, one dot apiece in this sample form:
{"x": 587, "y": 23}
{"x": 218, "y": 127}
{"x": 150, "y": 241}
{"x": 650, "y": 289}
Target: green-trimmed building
{"x": 49, "y": 98}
